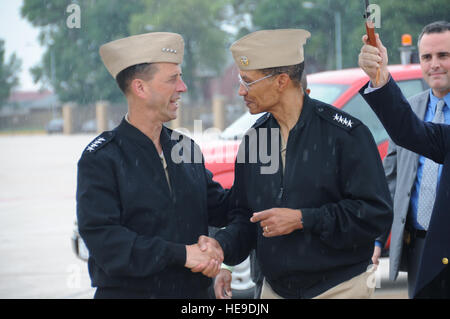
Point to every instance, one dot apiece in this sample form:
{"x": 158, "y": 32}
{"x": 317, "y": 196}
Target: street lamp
{"x": 337, "y": 39}
{"x": 337, "y": 32}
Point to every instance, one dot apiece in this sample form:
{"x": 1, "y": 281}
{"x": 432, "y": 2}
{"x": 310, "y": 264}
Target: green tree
{"x": 399, "y": 17}
{"x": 318, "y": 17}
{"x": 8, "y": 73}
{"x": 71, "y": 63}
{"x": 200, "y": 24}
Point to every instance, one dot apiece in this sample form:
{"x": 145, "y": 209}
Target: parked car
{"x": 339, "y": 88}
{"x": 90, "y": 126}
{"x": 55, "y": 126}
{"x": 78, "y": 245}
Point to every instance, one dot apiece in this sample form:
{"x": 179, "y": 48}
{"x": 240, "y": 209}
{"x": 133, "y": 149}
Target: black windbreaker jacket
{"x": 136, "y": 226}
{"x": 334, "y": 175}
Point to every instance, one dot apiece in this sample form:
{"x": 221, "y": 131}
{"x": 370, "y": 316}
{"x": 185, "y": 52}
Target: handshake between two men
{"x": 207, "y": 255}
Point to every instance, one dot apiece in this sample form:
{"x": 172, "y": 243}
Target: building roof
{"x": 32, "y": 99}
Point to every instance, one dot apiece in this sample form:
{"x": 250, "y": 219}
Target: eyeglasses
{"x": 247, "y": 85}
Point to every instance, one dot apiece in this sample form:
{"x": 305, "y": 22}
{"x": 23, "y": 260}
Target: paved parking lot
{"x": 37, "y": 214}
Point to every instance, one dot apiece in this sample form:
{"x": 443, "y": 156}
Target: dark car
{"x": 55, "y": 126}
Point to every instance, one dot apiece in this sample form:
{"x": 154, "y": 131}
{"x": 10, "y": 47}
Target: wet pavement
{"x": 37, "y": 214}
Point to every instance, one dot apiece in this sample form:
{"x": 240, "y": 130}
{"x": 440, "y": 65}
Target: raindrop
{"x": 305, "y": 155}
{"x": 330, "y": 140}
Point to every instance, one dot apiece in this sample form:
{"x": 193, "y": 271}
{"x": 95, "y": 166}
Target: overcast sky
{"x": 20, "y": 38}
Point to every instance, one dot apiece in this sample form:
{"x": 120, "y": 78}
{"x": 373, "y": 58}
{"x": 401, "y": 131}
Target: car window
{"x": 239, "y": 127}
{"x": 358, "y": 108}
{"x": 410, "y": 87}
{"x": 327, "y": 93}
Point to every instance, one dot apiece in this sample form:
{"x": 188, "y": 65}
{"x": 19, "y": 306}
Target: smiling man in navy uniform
{"x": 141, "y": 206}
{"x": 315, "y": 218}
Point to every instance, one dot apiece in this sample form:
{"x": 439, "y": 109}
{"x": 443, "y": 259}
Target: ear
{"x": 283, "y": 81}
{"x": 137, "y": 87}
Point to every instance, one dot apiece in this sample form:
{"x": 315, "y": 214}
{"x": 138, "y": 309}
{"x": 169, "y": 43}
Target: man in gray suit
{"x": 405, "y": 170}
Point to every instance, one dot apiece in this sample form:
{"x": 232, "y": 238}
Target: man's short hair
{"x": 143, "y": 70}
{"x": 434, "y": 27}
{"x": 295, "y": 72}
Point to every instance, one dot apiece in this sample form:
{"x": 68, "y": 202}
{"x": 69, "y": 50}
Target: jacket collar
{"x": 136, "y": 135}
{"x": 305, "y": 114}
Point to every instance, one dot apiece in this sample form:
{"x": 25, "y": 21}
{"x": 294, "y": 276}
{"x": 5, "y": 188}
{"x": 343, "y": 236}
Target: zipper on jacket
{"x": 280, "y": 195}
{"x": 282, "y": 171}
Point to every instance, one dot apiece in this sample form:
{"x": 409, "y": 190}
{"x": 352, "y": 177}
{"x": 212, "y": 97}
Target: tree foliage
{"x": 8, "y": 73}
{"x": 397, "y": 18}
{"x": 199, "y": 22}
{"x": 71, "y": 64}
{"x": 73, "y": 67}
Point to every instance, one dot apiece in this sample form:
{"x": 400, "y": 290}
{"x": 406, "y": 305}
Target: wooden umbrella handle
{"x": 370, "y": 29}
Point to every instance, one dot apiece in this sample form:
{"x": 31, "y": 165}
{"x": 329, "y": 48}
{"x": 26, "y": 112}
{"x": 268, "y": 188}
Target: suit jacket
{"x": 430, "y": 140}
{"x": 400, "y": 166}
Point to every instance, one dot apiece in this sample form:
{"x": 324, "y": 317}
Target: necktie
{"x": 427, "y": 192}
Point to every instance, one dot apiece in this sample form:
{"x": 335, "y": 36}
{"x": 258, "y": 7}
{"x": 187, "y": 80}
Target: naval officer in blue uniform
{"x": 144, "y": 196}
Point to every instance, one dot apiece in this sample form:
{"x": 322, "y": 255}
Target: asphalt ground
{"x": 37, "y": 214}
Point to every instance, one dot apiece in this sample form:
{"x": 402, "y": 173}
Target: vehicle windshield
{"x": 238, "y": 128}
{"x": 326, "y": 92}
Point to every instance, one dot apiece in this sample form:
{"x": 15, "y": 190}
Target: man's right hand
{"x": 222, "y": 285}
{"x": 206, "y": 256}
{"x": 376, "y": 255}
{"x": 372, "y": 59}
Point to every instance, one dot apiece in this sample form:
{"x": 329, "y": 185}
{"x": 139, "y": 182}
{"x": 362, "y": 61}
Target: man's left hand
{"x": 211, "y": 247}
{"x": 278, "y": 221}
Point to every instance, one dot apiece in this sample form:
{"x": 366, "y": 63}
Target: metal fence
{"x": 83, "y": 119}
